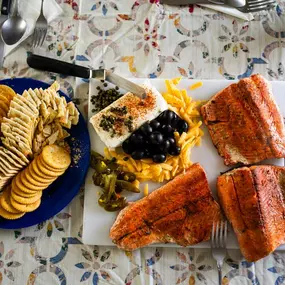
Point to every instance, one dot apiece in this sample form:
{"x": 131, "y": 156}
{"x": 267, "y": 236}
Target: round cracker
{"x": 5, "y": 99}
{"x": 21, "y": 186}
{"x": 4, "y": 107}
{"x": 26, "y": 200}
{"x": 47, "y": 172}
{"x": 6, "y": 203}
{"x": 9, "y": 216}
{"x": 38, "y": 172}
{"x": 3, "y": 113}
{"x": 25, "y": 207}
{"x": 30, "y": 185}
{"x": 7, "y": 91}
{"x": 38, "y": 175}
{"x": 23, "y": 194}
{"x": 56, "y": 156}
{"x": 41, "y": 162}
{"x": 34, "y": 180}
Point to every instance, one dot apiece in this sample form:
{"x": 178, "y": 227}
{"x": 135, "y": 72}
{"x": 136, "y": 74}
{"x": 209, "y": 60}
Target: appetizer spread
{"x": 246, "y": 127}
{"x": 245, "y": 123}
{"x": 182, "y": 211}
{"x": 34, "y": 151}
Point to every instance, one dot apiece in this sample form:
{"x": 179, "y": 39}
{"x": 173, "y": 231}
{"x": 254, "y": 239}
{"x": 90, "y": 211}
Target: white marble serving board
{"x": 97, "y": 222}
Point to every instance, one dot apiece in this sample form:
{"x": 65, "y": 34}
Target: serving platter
{"x": 97, "y": 222}
{"x": 59, "y": 194}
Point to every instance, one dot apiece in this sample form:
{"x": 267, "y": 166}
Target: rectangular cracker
{"x": 35, "y": 97}
{"x": 18, "y": 98}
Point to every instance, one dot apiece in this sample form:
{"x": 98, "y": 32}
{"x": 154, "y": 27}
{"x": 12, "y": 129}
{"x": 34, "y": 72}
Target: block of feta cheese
{"x": 119, "y": 120}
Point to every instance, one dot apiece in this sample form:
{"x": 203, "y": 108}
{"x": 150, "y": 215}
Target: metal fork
{"x": 218, "y": 244}
{"x": 41, "y": 27}
{"x": 257, "y": 5}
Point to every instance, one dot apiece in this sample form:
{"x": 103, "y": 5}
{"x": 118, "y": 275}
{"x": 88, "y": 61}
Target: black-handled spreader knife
{"x": 57, "y": 66}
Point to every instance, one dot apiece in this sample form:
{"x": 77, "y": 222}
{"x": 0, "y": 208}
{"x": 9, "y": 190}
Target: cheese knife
{"x": 57, "y": 66}
{"x": 4, "y": 16}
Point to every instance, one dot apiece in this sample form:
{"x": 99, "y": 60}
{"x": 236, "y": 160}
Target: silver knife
{"x": 4, "y": 16}
{"x": 57, "y": 66}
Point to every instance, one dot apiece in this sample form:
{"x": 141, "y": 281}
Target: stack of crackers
{"x": 30, "y": 122}
{"x": 25, "y": 192}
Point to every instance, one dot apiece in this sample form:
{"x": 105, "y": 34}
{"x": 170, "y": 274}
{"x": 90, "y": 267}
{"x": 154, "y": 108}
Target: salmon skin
{"x": 253, "y": 201}
{"x": 182, "y": 212}
{"x": 245, "y": 123}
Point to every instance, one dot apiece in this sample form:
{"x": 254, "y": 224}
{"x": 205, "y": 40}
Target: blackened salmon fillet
{"x": 245, "y": 123}
{"x": 182, "y": 212}
{"x": 253, "y": 199}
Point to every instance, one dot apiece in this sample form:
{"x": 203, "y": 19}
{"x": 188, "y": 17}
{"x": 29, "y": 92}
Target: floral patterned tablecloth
{"x": 140, "y": 39}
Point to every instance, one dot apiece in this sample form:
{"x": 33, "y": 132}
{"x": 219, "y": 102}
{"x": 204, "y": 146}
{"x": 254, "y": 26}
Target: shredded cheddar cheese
{"x": 145, "y": 190}
{"x": 196, "y": 85}
{"x": 188, "y": 110}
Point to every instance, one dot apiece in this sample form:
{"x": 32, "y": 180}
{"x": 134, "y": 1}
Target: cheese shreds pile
{"x": 187, "y": 109}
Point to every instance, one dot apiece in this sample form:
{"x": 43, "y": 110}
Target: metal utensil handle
{"x": 187, "y": 2}
{"x": 13, "y": 9}
{"x": 57, "y": 66}
{"x": 5, "y": 8}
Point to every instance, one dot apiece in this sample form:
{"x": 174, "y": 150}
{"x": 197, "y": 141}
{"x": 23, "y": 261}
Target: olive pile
{"x": 155, "y": 139}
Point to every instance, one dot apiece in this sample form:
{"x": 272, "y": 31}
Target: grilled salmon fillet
{"x": 245, "y": 123}
{"x": 182, "y": 212}
{"x": 253, "y": 201}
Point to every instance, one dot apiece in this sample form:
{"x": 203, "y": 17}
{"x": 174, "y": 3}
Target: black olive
{"x": 169, "y": 116}
{"x": 156, "y": 138}
{"x": 127, "y": 147}
{"x": 167, "y": 129}
{"x": 175, "y": 117}
{"x": 174, "y": 150}
{"x": 146, "y": 129}
{"x": 182, "y": 127}
{"x": 147, "y": 153}
{"x": 154, "y": 124}
{"x": 175, "y": 121}
{"x": 164, "y": 146}
{"x": 154, "y": 149}
{"x": 172, "y": 142}
{"x": 136, "y": 139}
{"x": 158, "y": 158}
{"x": 138, "y": 154}
{"x": 161, "y": 116}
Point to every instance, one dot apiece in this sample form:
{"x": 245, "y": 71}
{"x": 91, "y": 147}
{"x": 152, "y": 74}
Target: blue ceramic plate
{"x": 65, "y": 188}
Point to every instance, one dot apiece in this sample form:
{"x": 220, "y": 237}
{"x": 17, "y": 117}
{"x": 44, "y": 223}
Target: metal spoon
{"x": 13, "y": 28}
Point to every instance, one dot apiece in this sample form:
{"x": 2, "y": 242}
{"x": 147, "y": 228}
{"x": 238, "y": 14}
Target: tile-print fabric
{"x": 140, "y": 39}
